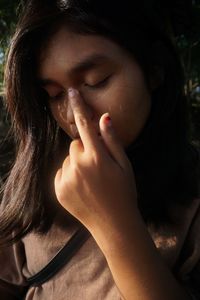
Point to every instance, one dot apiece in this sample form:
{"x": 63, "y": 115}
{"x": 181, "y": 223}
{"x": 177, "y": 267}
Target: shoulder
{"x": 178, "y": 239}
{"x": 12, "y": 280}
{"x": 189, "y": 271}
{"x": 191, "y": 248}
{"x": 179, "y": 245}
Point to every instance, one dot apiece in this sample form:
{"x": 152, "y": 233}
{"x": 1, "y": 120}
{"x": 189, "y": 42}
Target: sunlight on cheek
{"x": 63, "y": 115}
{"x": 62, "y": 112}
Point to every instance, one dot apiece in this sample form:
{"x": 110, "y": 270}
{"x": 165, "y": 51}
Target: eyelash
{"x": 57, "y": 97}
{"x": 100, "y": 84}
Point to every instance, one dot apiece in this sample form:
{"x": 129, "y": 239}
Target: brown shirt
{"x": 87, "y": 276}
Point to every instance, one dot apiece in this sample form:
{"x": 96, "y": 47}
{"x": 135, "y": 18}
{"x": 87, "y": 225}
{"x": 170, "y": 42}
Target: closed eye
{"x": 100, "y": 84}
{"x": 59, "y": 96}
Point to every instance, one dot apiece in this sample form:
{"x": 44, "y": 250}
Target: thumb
{"x": 112, "y": 141}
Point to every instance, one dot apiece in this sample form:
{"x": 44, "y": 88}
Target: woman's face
{"x": 107, "y": 77}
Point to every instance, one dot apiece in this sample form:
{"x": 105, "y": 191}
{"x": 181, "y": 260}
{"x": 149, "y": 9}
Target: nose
{"x": 67, "y": 116}
{"x": 69, "y": 113}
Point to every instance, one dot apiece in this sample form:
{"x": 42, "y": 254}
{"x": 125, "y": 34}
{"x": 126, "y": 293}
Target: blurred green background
{"x": 183, "y": 20}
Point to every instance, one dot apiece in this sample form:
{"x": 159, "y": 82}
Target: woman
{"x": 133, "y": 183}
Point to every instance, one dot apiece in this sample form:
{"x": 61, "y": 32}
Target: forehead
{"x": 65, "y": 49}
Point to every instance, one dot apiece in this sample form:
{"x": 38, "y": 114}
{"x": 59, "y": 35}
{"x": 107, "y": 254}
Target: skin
{"x": 124, "y": 95}
{"x": 97, "y": 173}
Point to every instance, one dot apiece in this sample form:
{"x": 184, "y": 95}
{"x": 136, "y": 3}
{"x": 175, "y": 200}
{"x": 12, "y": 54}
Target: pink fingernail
{"x": 72, "y": 93}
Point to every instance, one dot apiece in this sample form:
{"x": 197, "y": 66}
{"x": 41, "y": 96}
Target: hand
{"x": 96, "y": 182}
{"x": 96, "y": 185}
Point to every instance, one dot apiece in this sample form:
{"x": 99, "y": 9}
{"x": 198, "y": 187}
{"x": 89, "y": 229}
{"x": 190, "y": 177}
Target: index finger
{"x": 86, "y": 130}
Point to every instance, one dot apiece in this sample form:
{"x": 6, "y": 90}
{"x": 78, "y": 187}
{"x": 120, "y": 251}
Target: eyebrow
{"x": 88, "y": 63}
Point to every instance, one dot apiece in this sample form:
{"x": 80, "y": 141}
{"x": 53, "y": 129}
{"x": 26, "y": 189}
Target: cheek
{"x": 130, "y": 106}
{"x": 59, "y": 112}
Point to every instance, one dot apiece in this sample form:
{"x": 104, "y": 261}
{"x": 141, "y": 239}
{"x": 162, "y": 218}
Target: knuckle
{"x": 65, "y": 163}
{"x": 82, "y": 121}
{"x": 75, "y": 144}
{"x": 57, "y": 179}
{"x": 95, "y": 158}
{"x": 60, "y": 192}
{"x": 76, "y": 171}
{"x": 87, "y": 163}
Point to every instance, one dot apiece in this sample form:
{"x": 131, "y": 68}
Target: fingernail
{"x": 108, "y": 121}
{"x": 72, "y": 93}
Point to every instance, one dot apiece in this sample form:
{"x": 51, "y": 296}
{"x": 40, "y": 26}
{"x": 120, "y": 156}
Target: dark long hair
{"x": 164, "y": 162}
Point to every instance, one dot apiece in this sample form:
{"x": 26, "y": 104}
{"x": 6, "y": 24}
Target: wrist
{"x": 116, "y": 237}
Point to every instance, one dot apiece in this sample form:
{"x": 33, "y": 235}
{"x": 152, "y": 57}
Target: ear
{"x": 157, "y": 77}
